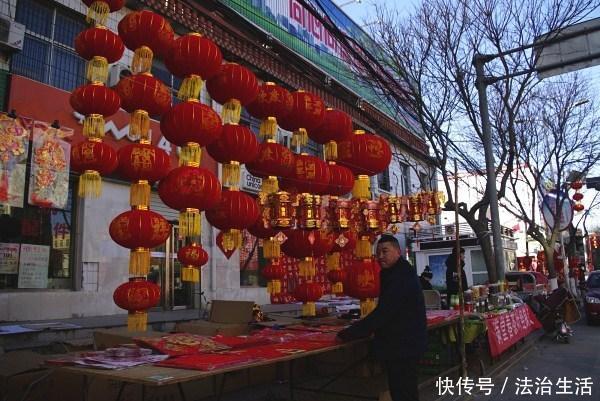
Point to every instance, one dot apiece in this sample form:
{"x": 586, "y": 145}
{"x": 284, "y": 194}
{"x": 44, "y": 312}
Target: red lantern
{"x": 143, "y": 96}
{"x": 363, "y": 282}
{"x": 100, "y": 47}
{"x": 190, "y": 190}
{"x": 578, "y": 207}
{"x": 271, "y": 104}
{"x": 274, "y": 273}
{"x": 142, "y": 164}
{"x": 336, "y": 126}
{"x": 306, "y": 245}
{"x": 194, "y": 58}
{"x": 576, "y": 185}
{"x": 192, "y": 257}
{"x": 365, "y": 155}
{"x": 139, "y": 230}
{"x": 308, "y": 293}
{"x": 191, "y": 125}
{"x": 235, "y": 211}
{"x": 95, "y": 101}
{"x": 233, "y": 87}
{"x": 271, "y": 246}
{"x": 92, "y": 158}
{"x": 577, "y": 196}
{"x": 273, "y": 160}
{"x": 145, "y": 33}
{"x": 343, "y": 241}
{"x": 137, "y": 296}
{"x": 308, "y": 112}
{"x": 236, "y": 145}
{"x": 337, "y": 277}
{"x": 310, "y": 175}
{"x": 341, "y": 181}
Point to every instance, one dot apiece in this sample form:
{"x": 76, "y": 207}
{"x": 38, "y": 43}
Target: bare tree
{"x": 426, "y": 67}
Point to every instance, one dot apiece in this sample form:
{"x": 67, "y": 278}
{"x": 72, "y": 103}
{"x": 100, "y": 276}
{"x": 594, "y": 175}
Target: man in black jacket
{"x": 398, "y": 321}
{"x": 452, "y": 273}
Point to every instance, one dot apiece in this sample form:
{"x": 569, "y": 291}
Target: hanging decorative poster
{"x": 14, "y": 146}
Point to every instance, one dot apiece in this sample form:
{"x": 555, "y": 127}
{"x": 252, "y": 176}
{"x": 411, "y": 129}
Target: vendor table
{"x": 506, "y": 329}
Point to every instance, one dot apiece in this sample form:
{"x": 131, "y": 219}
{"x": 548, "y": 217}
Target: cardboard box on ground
{"x": 230, "y": 318}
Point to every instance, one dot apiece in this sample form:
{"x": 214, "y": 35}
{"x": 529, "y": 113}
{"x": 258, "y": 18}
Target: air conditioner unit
{"x": 116, "y": 72}
{"x": 12, "y": 34}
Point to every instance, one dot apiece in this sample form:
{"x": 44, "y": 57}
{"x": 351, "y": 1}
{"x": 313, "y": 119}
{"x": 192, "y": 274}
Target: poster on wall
{"x": 49, "y": 180}
{"x": 437, "y": 264}
{"x": 9, "y": 258}
{"x": 33, "y": 266}
{"x": 14, "y": 146}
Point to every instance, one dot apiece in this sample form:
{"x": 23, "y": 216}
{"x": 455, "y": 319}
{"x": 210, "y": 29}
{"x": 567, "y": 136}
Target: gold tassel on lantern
{"x": 337, "y": 288}
{"x": 96, "y": 69}
{"x": 137, "y": 321}
{"x": 232, "y": 111}
{"x": 306, "y": 267}
{"x": 271, "y": 248}
{"x": 300, "y": 137}
{"x": 270, "y": 185}
{"x": 98, "y": 13}
{"x": 190, "y": 274}
{"x": 90, "y": 184}
{"x": 232, "y": 239}
{"x": 142, "y": 60}
{"x": 139, "y": 126}
{"x": 191, "y": 155}
{"x": 139, "y": 194}
{"x": 231, "y": 174}
{"x": 309, "y": 309}
{"x": 190, "y": 222}
{"x": 331, "y": 152}
{"x": 366, "y": 306}
{"x": 363, "y": 248}
{"x": 139, "y": 262}
{"x": 268, "y": 128}
{"x": 93, "y": 126}
{"x": 190, "y": 88}
{"x": 274, "y": 287}
{"x": 333, "y": 261}
{"x": 362, "y": 187}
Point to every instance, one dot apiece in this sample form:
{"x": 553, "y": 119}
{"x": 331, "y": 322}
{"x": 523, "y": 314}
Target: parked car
{"x": 592, "y": 297}
{"x": 526, "y": 284}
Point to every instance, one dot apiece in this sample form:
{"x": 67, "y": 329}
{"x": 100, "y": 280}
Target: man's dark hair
{"x": 388, "y": 238}
{"x": 462, "y": 250}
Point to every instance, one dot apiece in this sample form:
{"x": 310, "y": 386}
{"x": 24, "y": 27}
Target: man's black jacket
{"x": 399, "y": 320}
{"x": 452, "y": 276}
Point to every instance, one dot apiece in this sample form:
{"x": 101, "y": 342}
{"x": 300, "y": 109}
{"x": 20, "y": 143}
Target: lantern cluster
{"x": 577, "y": 196}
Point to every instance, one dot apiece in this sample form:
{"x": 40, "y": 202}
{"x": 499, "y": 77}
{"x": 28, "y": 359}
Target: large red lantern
{"x": 95, "y": 101}
{"x": 143, "y": 96}
{"x": 145, "y": 33}
{"x": 236, "y": 145}
{"x": 341, "y": 181}
{"x": 100, "y": 47}
{"x": 233, "y": 87}
{"x": 191, "y": 125}
{"x": 273, "y": 160}
{"x": 306, "y": 245}
{"x": 363, "y": 282}
{"x": 235, "y": 211}
{"x": 192, "y": 258}
{"x": 190, "y": 190}
{"x": 262, "y": 229}
{"x": 142, "y": 164}
{"x": 310, "y": 175}
{"x": 308, "y": 112}
{"x": 92, "y": 158}
{"x": 272, "y": 103}
{"x": 193, "y": 58}
{"x": 274, "y": 273}
{"x": 336, "y": 126}
{"x": 136, "y": 297}
{"x": 366, "y": 155}
{"x": 139, "y": 230}
{"x": 308, "y": 293}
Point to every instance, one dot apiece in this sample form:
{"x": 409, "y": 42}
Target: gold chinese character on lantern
{"x": 141, "y": 158}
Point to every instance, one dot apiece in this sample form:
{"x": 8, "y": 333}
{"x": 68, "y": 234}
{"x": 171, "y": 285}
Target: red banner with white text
{"x": 506, "y": 329}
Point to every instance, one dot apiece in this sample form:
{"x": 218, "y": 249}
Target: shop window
{"x": 404, "y": 179}
{"x": 48, "y": 55}
{"x": 251, "y": 262}
{"x": 383, "y": 180}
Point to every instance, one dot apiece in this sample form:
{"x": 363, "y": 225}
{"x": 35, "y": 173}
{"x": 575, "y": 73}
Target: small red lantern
{"x": 190, "y": 190}
{"x": 99, "y": 9}
{"x": 95, "y": 101}
{"x": 306, "y": 245}
{"x": 308, "y": 293}
{"x": 578, "y": 207}
{"x": 92, "y": 158}
{"x": 100, "y": 47}
{"x": 336, "y": 126}
{"x": 308, "y": 112}
{"x": 272, "y": 103}
{"x": 273, "y": 160}
{"x": 271, "y": 246}
{"x": 235, "y": 211}
{"x": 577, "y": 196}
{"x": 576, "y": 185}
{"x": 337, "y": 277}
{"x": 192, "y": 257}
{"x": 366, "y": 155}
{"x": 236, "y": 145}
{"x": 233, "y": 87}
{"x": 143, "y": 96}
{"x": 310, "y": 175}
{"x": 341, "y": 181}
{"x": 193, "y": 58}
{"x": 363, "y": 282}
{"x": 274, "y": 273}
{"x": 145, "y": 33}
{"x": 142, "y": 164}
{"x": 139, "y": 230}
{"x": 137, "y": 296}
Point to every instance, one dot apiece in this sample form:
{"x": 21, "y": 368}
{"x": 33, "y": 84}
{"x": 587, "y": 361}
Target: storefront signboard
{"x": 250, "y": 183}
{"x": 9, "y": 258}
{"x": 33, "y": 266}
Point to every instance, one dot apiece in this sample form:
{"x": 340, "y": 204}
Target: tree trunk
{"x": 481, "y": 229}
{"x": 549, "y": 253}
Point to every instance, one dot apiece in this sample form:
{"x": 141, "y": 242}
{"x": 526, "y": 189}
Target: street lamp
{"x": 348, "y": 3}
